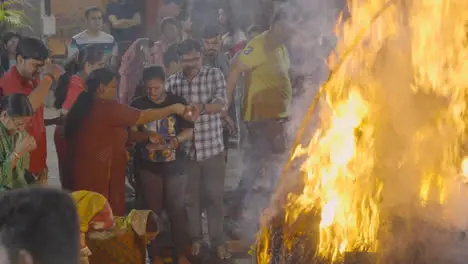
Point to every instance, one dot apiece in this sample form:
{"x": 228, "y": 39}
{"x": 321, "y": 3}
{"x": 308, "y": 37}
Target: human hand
{"x": 224, "y": 113}
{"x": 25, "y": 144}
{"x": 156, "y": 138}
{"x": 53, "y": 69}
{"x": 231, "y": 125}
{"x": 143, "y": 41}
{"x": 174, "y": 143}
{"x": 186, "y": 25}
{"x": 197, "y": 110}
{"x": 157, "y": 147}
{"x": 189, "y": 112}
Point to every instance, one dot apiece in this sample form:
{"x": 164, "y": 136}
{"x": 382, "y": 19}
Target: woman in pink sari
{"x": 144, "y": 52}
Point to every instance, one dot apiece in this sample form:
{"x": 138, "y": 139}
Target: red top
{"x": 75, "y": 88}
{"x": 97, "y": 155}
{"x": 12, "y": 82}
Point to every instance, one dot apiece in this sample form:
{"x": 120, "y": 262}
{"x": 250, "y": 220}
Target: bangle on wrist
{"x": 52, "y": 77}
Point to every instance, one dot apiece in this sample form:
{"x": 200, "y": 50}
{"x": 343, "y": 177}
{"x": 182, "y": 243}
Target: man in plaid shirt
{"x": 205, "y": 89}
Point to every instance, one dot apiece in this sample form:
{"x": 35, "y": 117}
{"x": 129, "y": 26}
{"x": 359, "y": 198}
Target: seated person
{"x": 103, "y": 235}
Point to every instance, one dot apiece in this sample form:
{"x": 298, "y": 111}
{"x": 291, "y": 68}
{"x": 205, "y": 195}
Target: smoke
{"x": 314, "y": 22}
{"x": 414, "y": 97}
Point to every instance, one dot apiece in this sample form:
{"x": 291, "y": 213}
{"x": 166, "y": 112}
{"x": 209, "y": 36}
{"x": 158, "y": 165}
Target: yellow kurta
{"x": 267, "y": 91}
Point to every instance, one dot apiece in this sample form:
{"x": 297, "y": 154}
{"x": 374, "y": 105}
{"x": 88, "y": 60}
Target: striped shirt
{"x": 207, "y": 87}
{"x": 104, "y": 40}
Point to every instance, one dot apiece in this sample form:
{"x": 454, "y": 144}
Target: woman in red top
{"x": 70, "y": 85}
{"x": 97, "y": 132}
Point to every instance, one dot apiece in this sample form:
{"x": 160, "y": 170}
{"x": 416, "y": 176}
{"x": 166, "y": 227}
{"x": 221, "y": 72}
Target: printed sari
{"x": 106, "y": 239}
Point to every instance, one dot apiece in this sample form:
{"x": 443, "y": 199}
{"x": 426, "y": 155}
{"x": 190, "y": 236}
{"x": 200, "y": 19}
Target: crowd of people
{"x": 163, "y": 113}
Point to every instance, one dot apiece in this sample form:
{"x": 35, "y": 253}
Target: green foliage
{"x": 12, "y": 15}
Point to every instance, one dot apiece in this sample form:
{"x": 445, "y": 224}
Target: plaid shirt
{"x": 207, "y": 87}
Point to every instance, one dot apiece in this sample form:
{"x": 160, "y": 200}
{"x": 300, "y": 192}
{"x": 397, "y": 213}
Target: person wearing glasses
{"x": 24, "y": 78}
{"x": 205, "y": 89}
{"x": 17, "y": 112}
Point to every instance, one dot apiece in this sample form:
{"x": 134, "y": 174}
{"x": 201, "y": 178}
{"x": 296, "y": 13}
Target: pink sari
{"x": 133, "y": 63}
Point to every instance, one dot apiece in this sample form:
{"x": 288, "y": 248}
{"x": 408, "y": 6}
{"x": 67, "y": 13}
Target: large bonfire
{"x": 387, "y": 157}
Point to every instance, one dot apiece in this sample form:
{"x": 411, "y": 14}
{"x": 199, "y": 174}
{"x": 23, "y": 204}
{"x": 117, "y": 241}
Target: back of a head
{"x": 83, "y": 104}
{"x": 40, "y": 222}
{"x": 98, "y": 77}
{"x": 32, "y": 48}
{"x": 171, "y": 55}
{"x": 16, "y": 105}
{"x": 189, "y": 45}
{"x": 88, "y": 54}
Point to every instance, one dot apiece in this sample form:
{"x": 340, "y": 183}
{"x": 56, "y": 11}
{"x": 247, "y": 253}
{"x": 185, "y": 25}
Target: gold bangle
{"x": 52, "y": 77}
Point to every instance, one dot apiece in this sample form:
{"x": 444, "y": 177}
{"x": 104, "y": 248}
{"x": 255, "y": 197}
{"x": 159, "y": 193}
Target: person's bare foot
{"x": 183, "y": 260}
{"x": 157, "y": 260}
{"x": 196, "y": 248}
{"x": 223, "y": 253}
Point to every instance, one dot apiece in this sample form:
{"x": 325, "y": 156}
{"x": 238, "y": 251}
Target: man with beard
{"x": 205, "y": 88}
{"x": 24, "y": 78}
{"x": 212, "y": 40}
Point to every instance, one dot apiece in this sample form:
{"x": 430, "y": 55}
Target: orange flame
{"x": 401, "y": 66}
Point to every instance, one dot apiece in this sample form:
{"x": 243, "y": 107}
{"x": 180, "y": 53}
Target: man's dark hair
{"x": 189, "y": 45}
{"x": 169, "y": 21}
{"x": 32, "y": 48}
{"x": 278, "y": 16}
{"x": 41, "y": 221}
{"x": 153, "y": 72}
{"x": 211, "y": 31}
{"x": 171, "y": 55}
{"x": 91, "y": 9}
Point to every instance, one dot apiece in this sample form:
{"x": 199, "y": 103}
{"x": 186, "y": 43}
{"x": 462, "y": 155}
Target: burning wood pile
{"x": 381, "y": 178}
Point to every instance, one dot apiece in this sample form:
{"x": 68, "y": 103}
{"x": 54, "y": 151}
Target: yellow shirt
{"x": 267, "y": 91}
